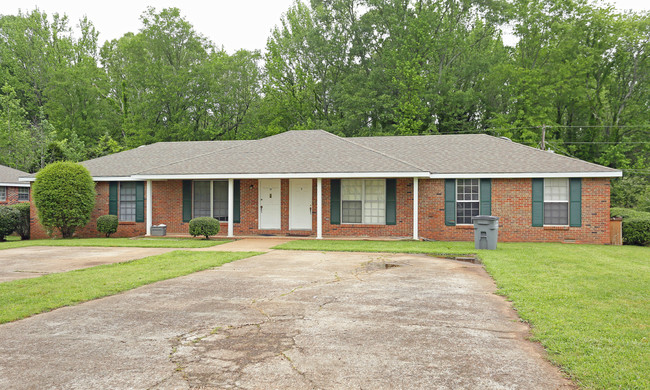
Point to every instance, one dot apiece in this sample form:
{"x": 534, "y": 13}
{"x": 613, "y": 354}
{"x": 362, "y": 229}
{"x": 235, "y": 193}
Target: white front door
{"x": 300, "y": 204}
{"x": 270, "y": 204}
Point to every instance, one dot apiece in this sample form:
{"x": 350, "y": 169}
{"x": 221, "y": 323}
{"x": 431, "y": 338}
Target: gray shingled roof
{"x": 320, "y": 152}
{"x": 9, "y": 177}
{"x": 475, "y": 153}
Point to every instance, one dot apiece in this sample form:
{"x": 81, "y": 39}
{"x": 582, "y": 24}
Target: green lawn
{"x": 589, "y": 305}
{"x": 26, "y": 297}
{"x": 145, "y": 242}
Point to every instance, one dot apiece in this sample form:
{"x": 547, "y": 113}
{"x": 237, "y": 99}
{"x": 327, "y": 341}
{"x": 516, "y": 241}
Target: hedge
{"x": 636, "y": 225}
{"x": 23, "y": 220}
{"x": 9, "y": 218}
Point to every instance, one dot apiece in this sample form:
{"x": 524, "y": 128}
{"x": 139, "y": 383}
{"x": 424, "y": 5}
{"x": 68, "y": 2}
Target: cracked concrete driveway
{"x": 296, "y": 320}
{"x": 33, "y": 261}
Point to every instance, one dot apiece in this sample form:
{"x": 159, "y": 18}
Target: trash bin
{"x": 486, "y": 231}
{"x": 159, "y": 230}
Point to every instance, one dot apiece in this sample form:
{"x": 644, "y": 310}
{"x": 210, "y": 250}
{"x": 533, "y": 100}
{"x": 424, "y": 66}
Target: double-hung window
{"x": 467, "y": 200}
{"x": 127, "y": 201}
{"x": 556, "y": 202}
{"x": 210, "y": 199}
{"x": 363, "y": 201}
{"x": 23, "y": 194}
{"x": 3, "y": 194}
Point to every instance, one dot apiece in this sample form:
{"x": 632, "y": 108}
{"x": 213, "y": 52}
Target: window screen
{"x": 556, "y": 201}
{"x": 363, "y": 201}
{"x": 127, "y": 201}
{"x": 23, "y": 194}
{"x": 3, "y": 194}
{"x": 201, "y": 199}
{"x": 352, "y": 199}
{"x": 467, "y": 200}
{"x": 220, "y": 200}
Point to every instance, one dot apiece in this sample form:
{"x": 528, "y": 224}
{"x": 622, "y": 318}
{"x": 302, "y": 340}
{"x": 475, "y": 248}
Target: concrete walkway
{"x": 287, "y": 320}
{"x": 33, "y": 261}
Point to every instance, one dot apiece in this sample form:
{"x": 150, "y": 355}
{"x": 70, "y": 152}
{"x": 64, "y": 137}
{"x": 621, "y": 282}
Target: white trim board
{"x": 14, "y": 184}
{"x": 523, "y": 175}
{"x": 336, "y": 175}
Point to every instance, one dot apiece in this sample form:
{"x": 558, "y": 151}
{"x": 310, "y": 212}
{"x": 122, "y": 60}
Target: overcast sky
{"x": 233, "y": 24}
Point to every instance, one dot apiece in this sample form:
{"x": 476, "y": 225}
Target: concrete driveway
{"x": 296, "y": 320}
{"x": 29, "y": 262}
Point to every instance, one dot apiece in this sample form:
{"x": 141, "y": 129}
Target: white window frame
{"x": 467, "y": 201}
{"x": 3, "y": 194}
{"x": 568, "y": 207}
{"x": 119, "y": 203}
{"x": 363, "y": 202}
{"x": 22, "y": 189}
{"x": 211, "y": 198}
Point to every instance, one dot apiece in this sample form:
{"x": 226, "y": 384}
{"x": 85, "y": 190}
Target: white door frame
{"x": 259, "y": 206}
{"x": 307, "y": 183}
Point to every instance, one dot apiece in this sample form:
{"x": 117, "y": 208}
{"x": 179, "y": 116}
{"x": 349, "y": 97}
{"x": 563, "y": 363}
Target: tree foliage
{"x": 576, "y": 70}
{"x": 9, "y": 218}
{"x": 64, "y": 195}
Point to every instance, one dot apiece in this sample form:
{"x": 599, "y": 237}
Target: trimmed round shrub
{"x": 64, "y": 196}
{"x": 204, "y": 226}
{"x": 107, "y": 224}
{"x": 9, "y": 217}
{"x": 23, "y": 221}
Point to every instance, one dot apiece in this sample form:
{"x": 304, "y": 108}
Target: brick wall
{"x": 511, "y": 201}
{"x": 124, "y": 229}
{"x": 12, "y": 196}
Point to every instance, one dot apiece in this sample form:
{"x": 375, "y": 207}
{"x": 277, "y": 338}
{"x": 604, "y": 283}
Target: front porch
{"x": 291, "y": 207}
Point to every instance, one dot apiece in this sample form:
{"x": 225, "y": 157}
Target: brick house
{"x": 314, "y": 183}
{"x": 12, "y": 190}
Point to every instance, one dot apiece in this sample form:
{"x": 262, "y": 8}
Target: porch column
{"x": 416, "y": 201}
{"x": 319, "y": 206}
{"x": 149, "y": 208}
{"x": 231, "y": 203}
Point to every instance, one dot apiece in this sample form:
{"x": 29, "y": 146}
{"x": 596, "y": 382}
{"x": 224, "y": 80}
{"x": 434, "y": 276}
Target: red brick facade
{"x": 11, "y": 195}
{"x": 511, "y": 201}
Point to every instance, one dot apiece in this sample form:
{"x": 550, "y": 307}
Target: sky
{"x": 233, "y": 24}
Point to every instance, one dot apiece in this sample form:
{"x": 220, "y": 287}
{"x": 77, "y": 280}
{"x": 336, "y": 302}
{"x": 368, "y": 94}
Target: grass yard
{"x": 26, "y": 297}
{"x": 144, "y": 242}
{"x": 589, "y": 305}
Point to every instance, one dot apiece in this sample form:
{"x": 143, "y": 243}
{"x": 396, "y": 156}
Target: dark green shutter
{"x": 335, "y": 201}
{"x": 139, "y": 201}
{"x": 450, "y": 202}
{"x": 575, "y": 199}
{"x": 187, "y": 200}
{"x": 391, "y": 202}
{"x": 236, "y": 202}
{"x": 538, "y": 202}
{"x": 112, "y": 197}
{"x": 486, "y": 197}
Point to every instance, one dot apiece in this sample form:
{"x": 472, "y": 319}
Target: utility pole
{"x": 543, "y": 145}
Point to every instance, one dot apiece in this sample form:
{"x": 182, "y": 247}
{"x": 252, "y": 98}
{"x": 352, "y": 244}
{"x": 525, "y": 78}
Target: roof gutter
{"x": 336, "y": 175}
{"x": 528, "y": 175}
{"x": 14, "y": 184}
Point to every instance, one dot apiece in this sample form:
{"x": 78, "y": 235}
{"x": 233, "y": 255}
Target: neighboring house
{"x": 12, "y": 190}
{"x": 317, "y": 184}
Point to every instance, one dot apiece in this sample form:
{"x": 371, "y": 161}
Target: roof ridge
{"x": 377, "y": 151}
{"x": 553, "y": 153}
{"x": 197, "y": 156}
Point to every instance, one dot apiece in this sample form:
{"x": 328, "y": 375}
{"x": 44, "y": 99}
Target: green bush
{"x": 64, "y": 195}
{"x": 9, "y": 217}
{"x": 204, "y": 226}
{"x": 636, "y": 225}
{"x": 23, "y": 221}
{"x": 107, "y": 224}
